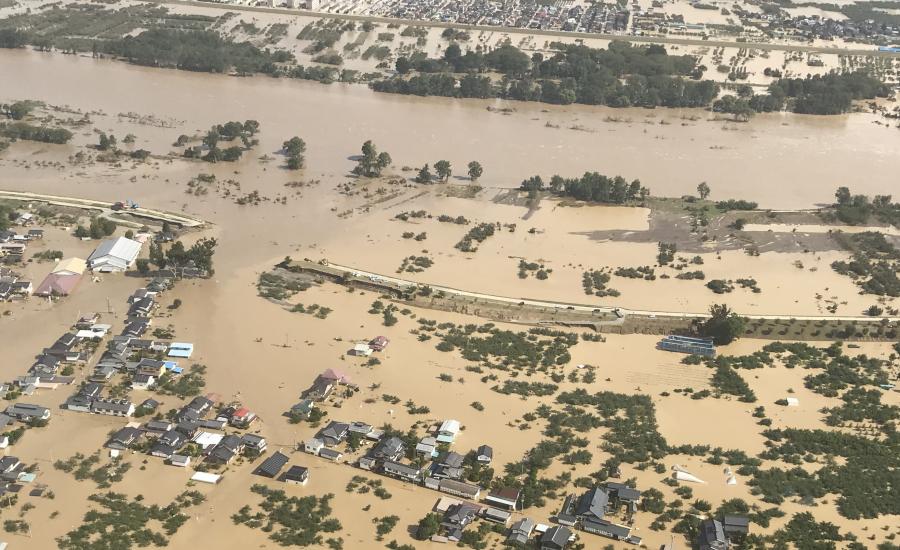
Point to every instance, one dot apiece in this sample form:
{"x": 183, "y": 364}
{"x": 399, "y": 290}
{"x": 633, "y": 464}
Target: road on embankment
{"x": 105, "y": 208}
{"x": 540, "y": 32}
{"x": 618, "y": 311}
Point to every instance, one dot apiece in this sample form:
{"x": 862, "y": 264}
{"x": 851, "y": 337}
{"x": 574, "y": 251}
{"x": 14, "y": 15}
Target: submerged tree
{"x": 443, "y": 169}
{"x": 724, "y": 325}
{"x": 475, "y": 170}
{"x": 372, "y": 162}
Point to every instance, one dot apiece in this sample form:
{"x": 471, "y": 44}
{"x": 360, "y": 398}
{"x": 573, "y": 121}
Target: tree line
{"x": 592, "y": 186}
{"x": 620, "y": 76}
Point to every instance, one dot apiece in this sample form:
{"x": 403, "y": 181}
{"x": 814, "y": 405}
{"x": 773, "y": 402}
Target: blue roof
{"x": 181, "y": 349}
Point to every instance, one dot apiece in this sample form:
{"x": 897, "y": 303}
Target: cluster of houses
{"x": 13, "y": 287}
{"x": 588, "y": 511}
{"x": 365, "y": 349}
{"x": 50, "y": 370}
{"x": 14, "y": 474}
{"x": 13, "y": 244}
{"x": 722, "y": 533}
{"x": 196, "y": 430}
{"x": 125, "y": 353}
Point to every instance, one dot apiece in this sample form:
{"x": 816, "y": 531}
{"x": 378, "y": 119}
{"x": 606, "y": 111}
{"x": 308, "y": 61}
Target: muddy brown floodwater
{"x": 780, "y": 161}
{"x": 265, "y": 355}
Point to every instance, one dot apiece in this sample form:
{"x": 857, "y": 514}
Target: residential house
{"x": 303, "y": 409}
{"x": 335, "y": 376}
{"x": 361, "y": 350}
{"x": 22, "y": 288}
{"x": 142, "y": 307}
{"x": 196, "y": 409}
{"x": 149, "y": 405}
{"x": 242, "y": 418}
{"x": 26, "y": 412}
{"x": 152, "y": 367}
{"x": 102, "y": 373}
{"x": 10, "y": 467}
{"x": 506, "y": 498}
{"x": 379, "y": 343}
{"x": 496, "y": 515}
{"x": 188, "y": 427}
{"x": 142, "y": 381}
{"x": 168, "y": 444}
{"x": 158, "y": 426}
{"x": 296, "y": 475}
{"x": 331, "y": 454}
{"x": 556, "y": 538}
{"x": 226, "y": 450}
{"x": 254, "y": 443}
{"x": 427, "y": 447}
{"x": 136, "y": 327}
{"x": 605, "y": 528}
{"x": 457, "y": 518}
{"x": 112, "y": 407}
{"x": 448, "y": 431}
{"x": 711, "y": 536}
{"x": 520, "y": 532}
{"x": 116, "y": 254}
{"x": 181, "y": 461}
{"x": 87, "y": 320}
{"x": 735, "y": 525}
{"x": 484, "y": 454}
{"x": 401, "y": 471}
{"x": 623, "y": 493}
{"x": 320, "y": 390}
{"x": 334, "y": 433}
{"x": 313, "y": 446}
{"x": 459, "y": 488}
{"x": 360, "y": 428}
{"x": 272, "y": 465}
{"x": 592, "y": 505}
{"x": 449, "y": 466}
{"x": 124, "y": 438}
{"x": 388, "y": 449}
{"x": 82, "y": 400}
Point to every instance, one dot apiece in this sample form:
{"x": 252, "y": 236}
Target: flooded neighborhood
{"x": 520, "y": 293}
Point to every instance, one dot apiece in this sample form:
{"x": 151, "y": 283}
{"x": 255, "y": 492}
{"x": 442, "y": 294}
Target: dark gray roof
{"x": 401, "y": 469}
{"x": 330, "y": 454}
{"x": 124, "y": 437}
{"x": 606, "y": 528}
{"x": 452, "y": 460}
{"x": 592, "y": 503}
{"x": 387, "y": 448}
{"x": 558, "y": 536}
{"x": 711, "y": 535}
{"x": 622, "y": 491}
{"x": 296, "y": 473}
{"x": 334, "y": 432}
{"x": 272, "y": 465}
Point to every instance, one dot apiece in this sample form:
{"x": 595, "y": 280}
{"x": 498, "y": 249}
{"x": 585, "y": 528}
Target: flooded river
{"x": 780, "y": 161}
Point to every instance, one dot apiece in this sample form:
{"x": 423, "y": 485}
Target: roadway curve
{"x": 105, "y": 208}
{"x": 587, "y": 308}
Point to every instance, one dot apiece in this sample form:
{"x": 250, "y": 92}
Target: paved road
{"x": 872, "y": 50}
{"x": 105, "y": 208}
{"x": 590, "y": 308}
